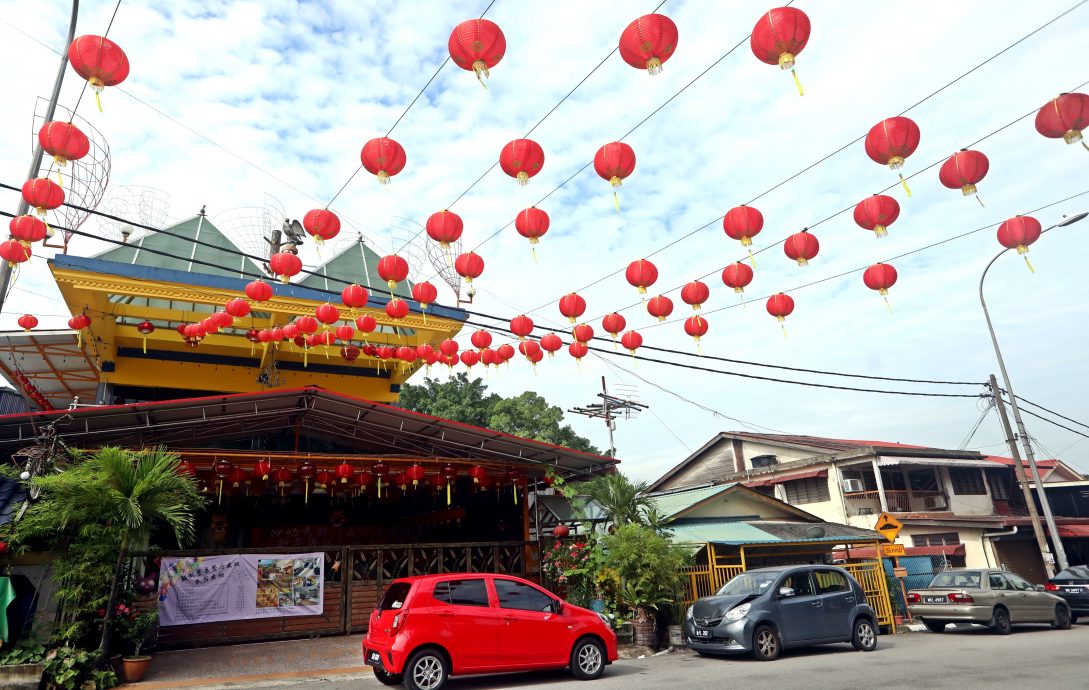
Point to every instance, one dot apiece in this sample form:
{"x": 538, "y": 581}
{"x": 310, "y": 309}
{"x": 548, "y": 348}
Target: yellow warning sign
{"x": 888, "y": 526}
{"x": 891, "y": 550}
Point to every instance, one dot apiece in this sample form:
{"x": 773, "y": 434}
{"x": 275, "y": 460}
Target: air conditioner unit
{"x": 851, "y": 486}
{"x": 934, "y": 501}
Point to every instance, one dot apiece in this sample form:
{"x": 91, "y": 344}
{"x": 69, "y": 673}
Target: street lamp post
{"x": 1060, "y": 552}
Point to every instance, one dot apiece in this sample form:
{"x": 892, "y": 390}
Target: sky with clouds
{"x": 230, "y": 103}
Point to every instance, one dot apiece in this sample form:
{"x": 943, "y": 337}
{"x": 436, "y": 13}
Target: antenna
{"x": 610, "y": 408}
{"x": 145, "y": 205}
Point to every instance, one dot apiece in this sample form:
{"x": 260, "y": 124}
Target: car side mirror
{"x": 557, "y": 606}
{"x": 1039, "y": 588}
{"x": 786, "y": 592}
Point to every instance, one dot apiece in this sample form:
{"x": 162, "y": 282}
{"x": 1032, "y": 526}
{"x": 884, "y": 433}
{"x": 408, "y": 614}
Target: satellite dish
{"x": 814, "y": 532}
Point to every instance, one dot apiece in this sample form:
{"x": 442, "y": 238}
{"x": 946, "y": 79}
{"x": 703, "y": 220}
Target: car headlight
{"x": 688, "y": 613}
{"x": 738, "y": 613}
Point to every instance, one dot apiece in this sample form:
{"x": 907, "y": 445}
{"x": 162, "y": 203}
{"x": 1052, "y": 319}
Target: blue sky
{"x": 297, "y": 88}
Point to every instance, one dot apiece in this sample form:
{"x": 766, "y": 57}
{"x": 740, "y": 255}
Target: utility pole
{"x": 608, "y": 409}
{"x": 36, "y": 159}
{"x": 1011, "y": 441}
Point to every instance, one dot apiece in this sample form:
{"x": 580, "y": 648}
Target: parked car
{"x": 995, "y": 598}
{"x": 428, "y": 628}
{"x": 1072, "y": 585}
{"x": 766, "y": 610}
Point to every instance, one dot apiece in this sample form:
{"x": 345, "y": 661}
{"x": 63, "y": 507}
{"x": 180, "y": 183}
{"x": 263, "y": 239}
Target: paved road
{"x": 1032, "y": 657}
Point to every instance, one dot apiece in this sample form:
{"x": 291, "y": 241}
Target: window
{"x": 998, "y": 582}
{"x": 830, "y": 581}
{"x": 867, "y": 479}
{"x": 967, "y": 481}
{"x": 462, "y": 592}
{"x": 394, "y": 597}
{"x": 800, "y": 582}
{"x": 922, "y": 481}
{"x": 937, "y": 539}
{"x": 970, "y": 579}
{"x": 766, "y": 489}
{"x": 515, "y": 595}
{"x": 1000, "y": 482}
{"x": 1020, "y": 583}
{"x": 809, "y": 490}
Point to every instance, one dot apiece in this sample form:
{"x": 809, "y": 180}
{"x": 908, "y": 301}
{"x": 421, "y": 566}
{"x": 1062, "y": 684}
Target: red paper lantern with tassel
{"x": 779, "y": 35}
{"x": 100, "y": 61}
{"x": 477, "y": 45}
{"x": 14, "y": 252}
{"x": 737, "y": 275}
{"x": 321, "y": 224}
{"x": 614, "y": 162}
{"x": 743, "y": 223}
{"x": 532, "y": 223}
{"x": 891, "y": 141}
{"x": 801, "y": 246}
{"x": 259, "y": 291}
{"x": 425, "y": 293}
{"x": 383, "y": 157}
{"x": 145, "y": 328}
{"x": 380, "y": 470}
{"x": 481, "y": 339}
{"x": 238, "y": 308}
{"x": 445, "y": 227}
{"x": 613, "y": 324}
{"x": 572, "y": 305}
{"x": 27, "y": 229}
{"x": 448, "y": 347}
{"x": 578, "y": 350}
{"x": 345, "y": 332}
{"x": 583, "y": 333}
{"x": 1018, "y": 233}
{"x": 284, "y": 477}
{"x": 522, "y": 159}
{"x": 660, "y": 307}
{"x": 550, "y": 342}
{"x": 27, "y": 322}
{"x": 469, "y": 265}
{"x": 308, "y": 325}
{"x": 521, "y": 326}
{"x": 880, "y": 277}
{"x": 516, "y": 481}
{"x": 696, "y": 326}
{"x": 964, "y": 170}
{"x": 350, "y": 353}
{"x": 307, "y": 470}
{"x": 469, "y": 358}
{"x": 393, "y": 269}
{"x": 780, "y": 306}
{"x": 43, "y": 195}
{"x": 285, "y": 265}
{"x": 641, "y": 274}
{"x": 366, "y": 324}
{"x": 64, "y": 141}
{"x": 327, "y": 314}
{"x": 648, "y": 42}
{"x": 876, "y": 213}
{"x": 695, "y": 294}
{"x": 222, "y": 471}
{"x": 631, "y": 341}
{"x": 415, "y": 474}
{"x": 397, "y": 308}
{"x": 262, "y": 469}
{"x": 1064, "y": 117}
{"x": 477, "y": 473}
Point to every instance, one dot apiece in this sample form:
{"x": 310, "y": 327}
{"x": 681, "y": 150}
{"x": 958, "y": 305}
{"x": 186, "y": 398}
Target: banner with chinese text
{"x": 207, "y": 589}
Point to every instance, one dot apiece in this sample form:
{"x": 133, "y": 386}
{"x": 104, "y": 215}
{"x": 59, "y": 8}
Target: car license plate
{"x": 1074, "y": 590}
{"x": 934, "y": 600}
{"x": 703, "y": 633}
{"x": 374, "y": 659}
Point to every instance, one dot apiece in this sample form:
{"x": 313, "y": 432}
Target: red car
{"x": 429, "y": 628}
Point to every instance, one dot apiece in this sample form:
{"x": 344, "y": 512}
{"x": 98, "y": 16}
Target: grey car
{"x": 996, "y": 598}
{"x": 766, "y": 610}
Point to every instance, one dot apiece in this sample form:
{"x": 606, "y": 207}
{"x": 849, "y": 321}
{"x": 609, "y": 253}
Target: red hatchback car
{"x": 429, "y": 628}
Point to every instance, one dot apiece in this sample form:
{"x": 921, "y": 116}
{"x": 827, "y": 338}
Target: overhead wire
{"x": 1060, "y": 416}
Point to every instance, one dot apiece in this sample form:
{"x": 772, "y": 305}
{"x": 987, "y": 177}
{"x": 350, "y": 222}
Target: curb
{"x": 285, "y": 679}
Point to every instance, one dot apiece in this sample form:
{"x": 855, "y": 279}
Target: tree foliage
{"x": 623, "y": 501}
{"x": 466, "y": 400}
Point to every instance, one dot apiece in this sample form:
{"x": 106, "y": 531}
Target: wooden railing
{"x": 898, "y": 500}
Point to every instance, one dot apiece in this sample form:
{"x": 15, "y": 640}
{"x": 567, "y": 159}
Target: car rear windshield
{"x": 969, "y": 580}
{"x": 394, "y": 597}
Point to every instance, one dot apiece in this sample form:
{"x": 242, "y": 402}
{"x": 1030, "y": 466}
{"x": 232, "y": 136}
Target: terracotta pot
{"x": 135, "y": 668}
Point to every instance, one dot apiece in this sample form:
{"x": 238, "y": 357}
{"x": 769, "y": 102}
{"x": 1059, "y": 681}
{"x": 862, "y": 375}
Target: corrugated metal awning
{"x": 933, "y": 462}
{"x": 787, "y": 477}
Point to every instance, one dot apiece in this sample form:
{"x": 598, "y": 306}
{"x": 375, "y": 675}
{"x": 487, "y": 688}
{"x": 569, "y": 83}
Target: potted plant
{"x": 136, "y": 630}
{"x": 676, "y": 622}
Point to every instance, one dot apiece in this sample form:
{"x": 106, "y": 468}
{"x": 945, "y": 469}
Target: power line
{"x": 1054, "y": 423}
{"x": 1060, "y": 416}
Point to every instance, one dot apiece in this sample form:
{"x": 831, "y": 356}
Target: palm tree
{"x": 622, "y": 501}
{"x": 132, "y": 489}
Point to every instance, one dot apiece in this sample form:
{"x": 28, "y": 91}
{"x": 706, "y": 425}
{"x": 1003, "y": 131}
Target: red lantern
{"x": 285, "y": 265}
{"x": 327, "y": 313}
{"x": 470, "y": 358}
{"x": 660, "y": 307}
{"x": 187, "y": 468}
{"x": 445, "y": 227}
{"x": 696, "y": 326}
{"x": 448, "y": 347}
{"x": 737, "y": 275}
{"x": 345, "y": 332}
{"x": 14, "y": 252}
{"x": 350, "y": 353}
{"x": 383, "y": 157}
{"x": 397, "y": 308}
{"x": 648, "y": 42}
{"x": 100, "y": 61}
{"x": 583, "y": 333}
{"x": 392, "y": 269}
{"x": 449, "y": 475}
{"x": 743, "y": 223}
{"x": 779, "y": 35}
{"x": 1018, "y": 233}
{"x": 1064, "y": 117}
{"x": 551, "y": 343}
{"x": 425, "y": 293}
{"x": 801, "y": 246}
{"x": 631, "y": 341}
{"x": 641, "y": 274}
{"x": 695, "y": 294}
{"x": 259, "y": 291}
{"x": 504, "y": 351}
{"x": 522, "y": 159}
{"x": 307, "y": 324}
{"x": 876, "y": 213}
{"x": 79, "y": 322}
{"x": 469, "y": 265}
{"x": 521, "y": 326}
{"x": 27, "y": 322}
{"x": 366, "y": 323}
{"x": 290, "y": 331}
{"x": 477, "y": 45}
{"x": 284, "y": 477}
{"x": 891, "y": 141}
{"x": 964, "y": 170}
{"x": 27, "y": 229}
{"x": 481, "y": 339}
{"x": 64, "y": 141}
{"x": 578, "y": 350}
{"x": 612, "y": 323}
{"x": 222, "y": 470}
{"x": 880, "y": 277}
{"x": 43, "y": 195}
{"x": 532, "y": 223}
{"x": 323, "y": 479}
{"x": 780, "y": 306}
{"x": 561, "y": 531}
{"x": 361, "y": 480}
{"x": 477, "y": 473}
{"x": 307, "y": 470}
{"x": 145, "y": 329}
{"x": 516, "y": 481}
{"x": 262, "y": 469}
{"x": 425, "y": 351}
{"x": 238, "y": 308}
{"x": 406, "y": 354}
{"x": 572, "y": 305}
{"x": 238, "y": 477}
{"x": 354, "y": 296}
{"x": 321, "y": 224}
{"x": 415, "y": 474}
{"x": 614, "y": 162}
{"x": 530, "y": 349}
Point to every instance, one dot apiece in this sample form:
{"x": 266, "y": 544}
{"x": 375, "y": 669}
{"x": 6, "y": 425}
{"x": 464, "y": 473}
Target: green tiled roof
{"x": 719, "y": 531}
{"x": 672, "y": 503}
{"x": 222, "y": 254}
{"x": 356, "y": 263}
{"x": 735, "y": 533}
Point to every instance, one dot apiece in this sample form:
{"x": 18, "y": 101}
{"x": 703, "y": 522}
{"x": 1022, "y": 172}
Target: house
{"x": 956, "y": 505}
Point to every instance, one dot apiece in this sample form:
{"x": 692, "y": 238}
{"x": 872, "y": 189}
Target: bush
{"x": 647, "y": 566}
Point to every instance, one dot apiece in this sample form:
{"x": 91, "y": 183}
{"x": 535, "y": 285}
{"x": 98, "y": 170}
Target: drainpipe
{"x": 989, "y": 536}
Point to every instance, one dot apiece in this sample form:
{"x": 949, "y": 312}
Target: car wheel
{"x": 1062, "y": 618}
{"x": 426, "y": 670}
{"x": 865, "y": 636}
{"x": 587, "y": 659}
{"x": 935, "y": 626}
{"x": 766, "y": 644}
{"x": 1073, "y": 618}
{"x": 1000, "y": 622}
{"x": 387, "y": 678}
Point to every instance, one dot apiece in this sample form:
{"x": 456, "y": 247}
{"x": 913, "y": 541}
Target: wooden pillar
{"x": 880, "y": 486}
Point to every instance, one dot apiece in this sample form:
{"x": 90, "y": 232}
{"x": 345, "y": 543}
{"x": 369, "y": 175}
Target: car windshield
{"x": 748, "y": 583}
{"x": 957, "y": 579}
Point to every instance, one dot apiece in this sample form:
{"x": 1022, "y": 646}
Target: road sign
{"x": 890, "y": 550}
{"x": 899, "y": 572}
{"x": 888, "y": 526}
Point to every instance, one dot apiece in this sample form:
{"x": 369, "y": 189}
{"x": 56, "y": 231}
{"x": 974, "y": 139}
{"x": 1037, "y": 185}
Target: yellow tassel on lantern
{"x": 448, "y": 492}
{"x": 145, "y": 344}
{"x": 905, "y": 184}
{"x": 481, "y": 68}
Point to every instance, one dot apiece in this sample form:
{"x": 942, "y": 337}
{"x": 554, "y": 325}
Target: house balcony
{"x": 897, "y": 500}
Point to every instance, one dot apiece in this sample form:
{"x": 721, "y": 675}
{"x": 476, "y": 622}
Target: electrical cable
{"x": 1049, "y": 421}
{"x": 1060, "y": 416}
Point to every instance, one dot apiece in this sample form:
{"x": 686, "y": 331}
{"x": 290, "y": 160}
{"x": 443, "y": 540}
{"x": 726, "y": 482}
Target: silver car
{"x": 765, "y": 610}
{"x": 995, "y": 598}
